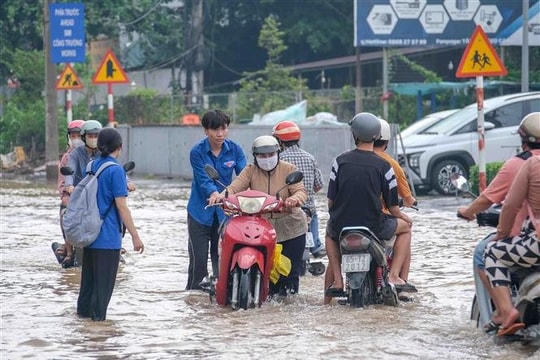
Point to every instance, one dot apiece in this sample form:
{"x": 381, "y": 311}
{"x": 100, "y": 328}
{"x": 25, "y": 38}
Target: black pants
{"x": 294, "y": 250}
{"x": 201, "y": 237}
{"x": 98, "y": 277}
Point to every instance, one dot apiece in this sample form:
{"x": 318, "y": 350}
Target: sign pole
{"x": 69, "y": 110}
{"x": 110, "y": 105}
{"x": 481, "y": 133}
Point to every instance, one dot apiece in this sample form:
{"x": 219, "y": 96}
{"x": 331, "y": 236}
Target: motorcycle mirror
{"x": 66, "y": 170}
{"x": 293, "y": 178}
{"x": 213, "y": 174}
{"x": 459, "y": 182}
{"x": 129, "y": 166}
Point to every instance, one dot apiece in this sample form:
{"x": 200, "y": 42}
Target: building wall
{"x": 164, "y": 150}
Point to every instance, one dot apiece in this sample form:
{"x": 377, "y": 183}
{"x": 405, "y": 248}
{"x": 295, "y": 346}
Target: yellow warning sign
{"x": 480, "y": 58}
{"x": 68, "y": 80}
{"x": 110, "y": 71}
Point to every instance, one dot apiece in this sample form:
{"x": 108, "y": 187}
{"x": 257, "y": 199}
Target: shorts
{"x": 387, "y": 231}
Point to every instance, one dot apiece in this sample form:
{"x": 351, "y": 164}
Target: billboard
{"x": 67, "y": 40}
{"x": 396, "y": 23}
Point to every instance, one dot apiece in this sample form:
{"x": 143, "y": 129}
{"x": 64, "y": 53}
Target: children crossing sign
{"x": 110, "y": 71}
{"x": 480, "y": 58}
{"x": 68, "y": 80}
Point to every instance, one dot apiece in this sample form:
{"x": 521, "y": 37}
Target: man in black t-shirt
{"x": 358, "y": 180}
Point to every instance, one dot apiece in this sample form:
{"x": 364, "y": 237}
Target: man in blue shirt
{"x": 225, "y": 156}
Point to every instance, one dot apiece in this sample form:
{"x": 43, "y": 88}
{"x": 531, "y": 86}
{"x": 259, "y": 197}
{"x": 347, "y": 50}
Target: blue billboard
{"x": 67, "y": 40}
{"x": 396, "y": 23}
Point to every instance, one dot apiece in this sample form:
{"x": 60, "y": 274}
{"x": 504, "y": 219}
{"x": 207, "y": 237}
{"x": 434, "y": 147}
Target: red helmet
{"x": 286, "y": 131}
{"x": 75, "y": 126}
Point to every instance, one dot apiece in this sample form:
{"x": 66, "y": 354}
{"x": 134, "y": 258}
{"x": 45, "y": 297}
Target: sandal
{"x": 68, "y": 261}
{"x": 491, "y": 326}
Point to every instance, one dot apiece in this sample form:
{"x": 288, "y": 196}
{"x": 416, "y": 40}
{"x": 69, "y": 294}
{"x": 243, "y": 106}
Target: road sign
{"x": 67, "y": 40}
{"x": 480, "y": 58}
{"x": 396, "y": 23}
{"x": 68, "y": 80}
{"x": 110, "y": 71}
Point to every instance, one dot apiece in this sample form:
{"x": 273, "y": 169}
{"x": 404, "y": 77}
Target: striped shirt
{"x": 306, "y": 163}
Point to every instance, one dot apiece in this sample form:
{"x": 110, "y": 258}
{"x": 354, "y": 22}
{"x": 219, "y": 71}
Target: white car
{"x": 451, "y": 145}
{"x": 425, "y": 122}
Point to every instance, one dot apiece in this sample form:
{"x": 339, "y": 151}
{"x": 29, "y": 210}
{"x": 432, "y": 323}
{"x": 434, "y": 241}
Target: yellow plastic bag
{"x": 281, "y": 266}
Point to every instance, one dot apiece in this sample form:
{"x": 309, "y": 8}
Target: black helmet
{"x": 109, "y": 139}
{"x": 365, "y": 127}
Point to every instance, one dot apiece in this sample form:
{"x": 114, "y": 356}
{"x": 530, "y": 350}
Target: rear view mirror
{"x": 66, "y": 170}
{"x": 460, "y": 182}
{"x": 211, "y": 172}
{"x": 129, "y": 166}
{"x": 294, "y": 178}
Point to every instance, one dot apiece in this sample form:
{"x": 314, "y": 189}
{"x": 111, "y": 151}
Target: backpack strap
{"x": 524, "y": 155}
{"x": 98, "y": 172}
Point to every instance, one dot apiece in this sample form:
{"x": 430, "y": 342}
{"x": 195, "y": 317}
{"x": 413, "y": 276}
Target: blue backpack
{"x": 81, "y": 221}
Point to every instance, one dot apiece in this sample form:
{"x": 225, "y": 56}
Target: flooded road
{"x": 151, "y": 316}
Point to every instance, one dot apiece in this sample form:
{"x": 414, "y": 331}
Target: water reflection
{"x": 152, "y": 317}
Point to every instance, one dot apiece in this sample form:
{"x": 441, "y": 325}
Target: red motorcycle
{"x": 247, "y": 245}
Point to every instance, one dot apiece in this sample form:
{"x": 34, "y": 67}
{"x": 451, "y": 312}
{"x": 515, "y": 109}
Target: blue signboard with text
{"x": 67, "y": 40}
{"x": 394, "y": 23}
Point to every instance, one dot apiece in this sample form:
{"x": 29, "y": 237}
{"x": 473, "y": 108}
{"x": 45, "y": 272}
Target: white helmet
{"x": 529, "y": 129}
{"x": 265, "y": 144}
{"x": 386, "y": 134}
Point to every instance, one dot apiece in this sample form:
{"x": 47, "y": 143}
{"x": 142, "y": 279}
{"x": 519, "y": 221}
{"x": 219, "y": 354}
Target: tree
{"x": 255, "y": 86}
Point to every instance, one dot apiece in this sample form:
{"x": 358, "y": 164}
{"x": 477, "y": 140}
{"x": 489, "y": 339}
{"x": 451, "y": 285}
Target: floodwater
{"x": 151, "y": 316}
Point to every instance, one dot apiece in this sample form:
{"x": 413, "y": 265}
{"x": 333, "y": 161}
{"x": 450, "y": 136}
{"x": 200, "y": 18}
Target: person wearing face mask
{"x": 64, "y": 253}
{"x": 267, "y": 174}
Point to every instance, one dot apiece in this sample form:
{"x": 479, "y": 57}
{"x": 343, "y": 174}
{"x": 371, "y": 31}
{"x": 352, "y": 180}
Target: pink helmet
{"x": 75, "y": 126}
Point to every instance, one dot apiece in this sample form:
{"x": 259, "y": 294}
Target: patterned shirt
{"x": 306, "y": 163}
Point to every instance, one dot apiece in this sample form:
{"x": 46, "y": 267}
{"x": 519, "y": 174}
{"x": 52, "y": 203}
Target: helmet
{"x": 109, "y": 139}
{"x": 265, "y": 144}
{"x": 91, "y": 127}
{"x": 365, "y": 127}
{"x": 386, "y": 134}
{"x": 75, "y": 126}
{"x": 529, "y": 128}
{"x": 286, "y": 131}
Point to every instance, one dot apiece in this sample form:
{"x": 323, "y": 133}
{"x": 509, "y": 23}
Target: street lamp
{"x": 451, "y": 70}
{"x": 133, "y": 85}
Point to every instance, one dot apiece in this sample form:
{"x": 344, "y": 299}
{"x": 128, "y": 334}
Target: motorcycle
{"x": 525, "y": 286}
{"x": 246, "y": 247}
{"x": 77, "y": 252}
{"x": 365, "y": 264}
{"x": 315, "y": 268}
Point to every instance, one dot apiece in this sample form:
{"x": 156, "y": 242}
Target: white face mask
{"x": 75, "y": 142}
{"x": 91, "y": 143}
{"x": 268, "y": 163}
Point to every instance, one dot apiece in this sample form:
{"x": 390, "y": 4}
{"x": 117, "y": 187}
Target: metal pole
{"x": 385, "y": 82}
{"x": 51, "y": 115}
{"x": 525, "y": 48}
{"x": 69, "y": 110}
{"x": 481, "y": 133}
{"x": 110, "y": 105}
{"x": 359, "y": 106}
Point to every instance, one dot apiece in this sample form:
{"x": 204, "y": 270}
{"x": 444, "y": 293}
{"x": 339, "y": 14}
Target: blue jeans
{"x": 314, "y": 229}
{"x": 479, "y": 260}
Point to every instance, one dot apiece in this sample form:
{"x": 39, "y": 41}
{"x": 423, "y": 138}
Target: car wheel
{"x": 441, "y": 176}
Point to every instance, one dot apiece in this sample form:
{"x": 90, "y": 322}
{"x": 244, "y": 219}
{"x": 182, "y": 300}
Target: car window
{"x": 509, "y": 115}
{"x": 451, "y": 122}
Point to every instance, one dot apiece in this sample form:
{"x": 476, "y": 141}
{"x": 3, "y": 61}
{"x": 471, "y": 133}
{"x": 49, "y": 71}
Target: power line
{"x": 145, "y": 15}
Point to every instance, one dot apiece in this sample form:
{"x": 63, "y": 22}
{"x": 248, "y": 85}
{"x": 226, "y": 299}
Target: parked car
{"x": 428, "y": 120}
{"x": 451, "y": 145}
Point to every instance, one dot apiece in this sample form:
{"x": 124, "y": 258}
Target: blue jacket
{"x": 77, "y": 160}
{"x": 231, "y": 158}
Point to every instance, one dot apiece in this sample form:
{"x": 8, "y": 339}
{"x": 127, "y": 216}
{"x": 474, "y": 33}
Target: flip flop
{"x": 512, "y": 329}
{"x": 407, "y": 287}
{"x": 491, "y": 326}
{"x": 335, "y": 292}
{"x": 59, "y": 252}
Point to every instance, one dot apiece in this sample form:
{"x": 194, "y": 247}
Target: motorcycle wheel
{"x": 365, "y": 294}
{"x": 245, "y": 289}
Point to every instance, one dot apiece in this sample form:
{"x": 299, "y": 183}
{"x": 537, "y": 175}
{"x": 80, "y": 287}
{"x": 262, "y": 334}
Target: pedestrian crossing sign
{"x": 480, "y": 58}
{"x": 110, "y": 71}
{"x": 68, "y": 80}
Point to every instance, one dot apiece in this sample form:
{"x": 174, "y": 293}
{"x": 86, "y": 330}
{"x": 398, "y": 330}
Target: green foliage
{"x": 491, "y": 171}
{"x": 256, "y": 86}
{"x": 429, "y": 76}
{"x": 144, "y": 106}
{"x": 23, "y": 126}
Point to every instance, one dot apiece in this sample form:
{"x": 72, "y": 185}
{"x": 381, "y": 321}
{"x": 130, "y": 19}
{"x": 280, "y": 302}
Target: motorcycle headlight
{"x": 355, "y": 242}
{"x": 251, "y": 205}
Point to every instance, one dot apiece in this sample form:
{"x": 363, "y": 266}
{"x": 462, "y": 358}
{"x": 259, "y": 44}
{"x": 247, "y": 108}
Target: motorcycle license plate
{"x": 355, "y": 262}
{"x": 309, "y": 240}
